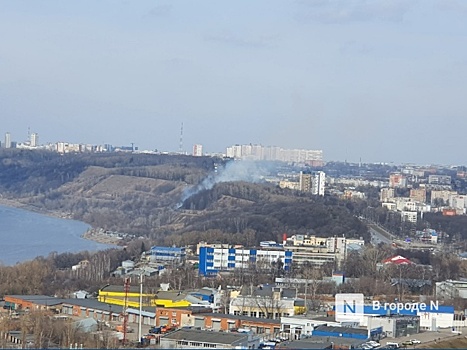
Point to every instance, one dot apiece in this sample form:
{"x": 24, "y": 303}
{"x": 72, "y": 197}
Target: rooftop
{"x": 207, "y": 336}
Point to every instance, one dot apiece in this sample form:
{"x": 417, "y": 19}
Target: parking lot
{"x": 425, "y": 337}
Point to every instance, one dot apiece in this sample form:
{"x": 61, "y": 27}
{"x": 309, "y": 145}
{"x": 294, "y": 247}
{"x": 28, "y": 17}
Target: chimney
{"x": 284, "y": 238}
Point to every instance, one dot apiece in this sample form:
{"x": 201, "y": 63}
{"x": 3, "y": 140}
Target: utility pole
{"x": 125, "y": 310}
{"x": 140, "y": 334}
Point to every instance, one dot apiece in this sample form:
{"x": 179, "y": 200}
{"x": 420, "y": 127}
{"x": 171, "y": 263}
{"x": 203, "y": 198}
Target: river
{"x": 25, "y": 235}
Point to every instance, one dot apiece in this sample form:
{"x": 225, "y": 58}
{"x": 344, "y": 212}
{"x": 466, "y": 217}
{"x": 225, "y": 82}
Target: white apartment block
{"x": 439, "y": 179}
{"x": 410, "y": 216}
{"x": 457, "y": 201}
{"x": 259, "y": 152}
{"x": 34, "y": 140}
{"x": 389, "y": 206}
{"x": 318, "y": 184}
{"x": 7, "y": 140}
{"x": 197, "y": 150}
{"x": 357, "y": 182}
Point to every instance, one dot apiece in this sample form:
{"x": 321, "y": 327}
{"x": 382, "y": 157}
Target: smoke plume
{"x": 243, "y": 170}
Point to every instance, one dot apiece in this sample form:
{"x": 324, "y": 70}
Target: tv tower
{"x": 181, "y": 140}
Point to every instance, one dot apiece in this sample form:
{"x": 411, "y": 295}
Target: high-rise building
{"x": 197, "y": 150}
{"x": 7, "y": 140}
{"x": 313, "y": 182}
{"x": 318, "y": 183}
{"x": 34, "y": 140}
{"x": 305, "y": 181}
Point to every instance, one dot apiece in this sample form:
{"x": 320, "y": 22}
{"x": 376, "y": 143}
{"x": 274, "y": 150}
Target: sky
{"x": 380, "y": 81}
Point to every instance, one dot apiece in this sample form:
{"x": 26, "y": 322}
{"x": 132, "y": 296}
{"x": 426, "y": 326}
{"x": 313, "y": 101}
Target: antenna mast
{"x": 181, "y": 139}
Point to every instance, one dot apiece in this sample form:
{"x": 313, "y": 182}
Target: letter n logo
{"x": 349, "y": 307}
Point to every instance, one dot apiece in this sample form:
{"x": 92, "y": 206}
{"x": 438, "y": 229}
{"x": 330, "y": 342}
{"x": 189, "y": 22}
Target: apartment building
{"x": 418, "y": 195}
{"x": 313, "y": 182}
{"x": 213, "y": 260}
{"x": 319, "y": 250}
{"x": 386, "y": 194}
{"x": 397, "y": 180}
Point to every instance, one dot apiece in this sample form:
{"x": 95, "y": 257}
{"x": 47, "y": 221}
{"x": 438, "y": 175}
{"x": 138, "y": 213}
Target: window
{"x": 253, "y": 314}
{"x": 236, "y": 312}
{"x": 174, "y": 314}
{"x": 245, "y": 313}
{"x": 261, "y": 314}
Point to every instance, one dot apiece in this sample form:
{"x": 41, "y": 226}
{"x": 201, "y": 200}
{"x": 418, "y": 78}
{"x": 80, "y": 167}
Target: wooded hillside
{"x": 142, "y": 194}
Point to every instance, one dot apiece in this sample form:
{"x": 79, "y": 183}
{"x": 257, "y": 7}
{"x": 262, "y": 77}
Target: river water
{"x": 25, "y": 235}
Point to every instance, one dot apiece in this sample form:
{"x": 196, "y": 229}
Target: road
{"x": 377, "y": 237}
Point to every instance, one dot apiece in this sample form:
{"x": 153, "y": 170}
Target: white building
{"x": 34, "y": 141}
{"x": 319, "y": 250}
{"x": 7, "y": 140}
{"x": 197, "y": 150}
{"x": 214, "y": 260}
{"x": 259, "y": 152}
{"x": 410, "y": 216}
{"x": 313, "y": 182}
{"x": 318, "y": 183}
{"x": 457, "y": 201}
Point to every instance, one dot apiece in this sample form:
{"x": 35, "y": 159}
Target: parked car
{"x": 407, "y": 342}
{"x": 392, "y": 345}
{"x": 415, "y": 341}
{"x": 374, "y": 344}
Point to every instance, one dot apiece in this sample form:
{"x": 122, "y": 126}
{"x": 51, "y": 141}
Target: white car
{"x": 415, "y": 341}
{"x": 374, "y": 344}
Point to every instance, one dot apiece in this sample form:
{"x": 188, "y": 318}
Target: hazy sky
{"x": 381, "y": 80}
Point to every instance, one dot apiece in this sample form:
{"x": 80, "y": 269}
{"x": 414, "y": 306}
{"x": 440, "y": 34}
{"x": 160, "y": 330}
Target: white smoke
{"x": 241, "y": 170}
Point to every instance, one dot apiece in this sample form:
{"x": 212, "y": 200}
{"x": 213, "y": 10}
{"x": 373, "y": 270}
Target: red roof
{"x": 398, "y": 260}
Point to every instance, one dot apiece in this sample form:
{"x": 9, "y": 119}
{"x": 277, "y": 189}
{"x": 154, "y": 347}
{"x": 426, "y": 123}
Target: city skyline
{"x": 378, "y": 81}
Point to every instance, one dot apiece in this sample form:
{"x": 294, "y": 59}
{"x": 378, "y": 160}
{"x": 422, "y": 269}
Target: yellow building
{"x": 116, "y": 295}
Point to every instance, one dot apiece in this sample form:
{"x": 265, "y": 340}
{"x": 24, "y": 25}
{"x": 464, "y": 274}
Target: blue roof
{"x": 169, "y": 249}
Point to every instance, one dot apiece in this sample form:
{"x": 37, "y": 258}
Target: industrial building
{"x": 197, "y": 339}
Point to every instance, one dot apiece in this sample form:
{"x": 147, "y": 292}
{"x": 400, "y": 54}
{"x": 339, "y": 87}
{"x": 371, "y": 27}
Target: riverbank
{"x": 28, "y": 234}
{"x": 105, "y": 237}
{"x": 16, "y": 203}
{"x": 95, "y": 235}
